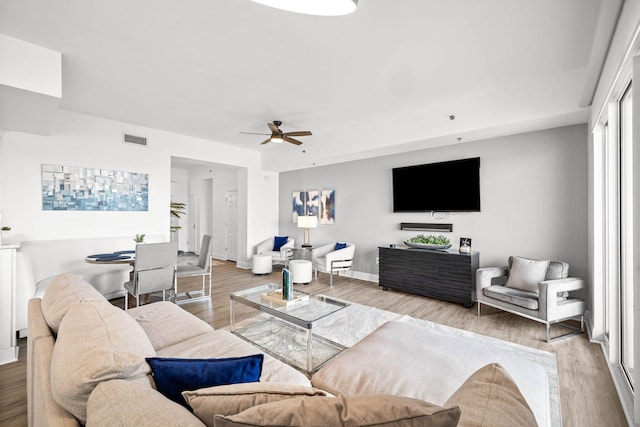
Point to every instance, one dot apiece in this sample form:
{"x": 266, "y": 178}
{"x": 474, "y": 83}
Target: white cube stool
{"x": 300, "y": 270}
{"x": 261, "y": 264}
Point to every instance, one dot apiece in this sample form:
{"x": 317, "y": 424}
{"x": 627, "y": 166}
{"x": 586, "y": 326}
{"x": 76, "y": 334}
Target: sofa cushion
{"x": 402, "y": 358}
{"x": 525, "y": 274}
{"x": 513, "y": 296}
{"x": 96, "y": 342}
{"x": 124, "y": 403}
{"x": 221, "y": 343}
{"x": 63, "y": 290}
{"x": 367, "y": 410}
{"x": 166, "y": 323}
{"x": 235, "y": 398}
{"x": 173, "y": 376}
{"x": 490, "y": 398}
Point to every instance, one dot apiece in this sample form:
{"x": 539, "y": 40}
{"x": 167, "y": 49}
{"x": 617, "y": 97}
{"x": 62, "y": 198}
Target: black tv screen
{"x": 452, "y": 186}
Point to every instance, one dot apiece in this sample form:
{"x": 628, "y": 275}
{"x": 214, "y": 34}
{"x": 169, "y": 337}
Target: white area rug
{"x": 351, "y": 324}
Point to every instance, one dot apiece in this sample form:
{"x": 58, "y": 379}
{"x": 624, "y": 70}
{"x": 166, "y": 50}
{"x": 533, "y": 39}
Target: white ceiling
{"x": 383, "y": 79}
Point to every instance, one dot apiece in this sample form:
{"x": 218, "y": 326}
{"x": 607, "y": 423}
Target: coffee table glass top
{"x": 303, "y": 314}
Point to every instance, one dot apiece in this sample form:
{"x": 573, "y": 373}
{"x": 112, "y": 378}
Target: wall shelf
{"x": 425, "y": 226}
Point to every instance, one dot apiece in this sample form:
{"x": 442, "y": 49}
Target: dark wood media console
{"x": 442, "y": 274}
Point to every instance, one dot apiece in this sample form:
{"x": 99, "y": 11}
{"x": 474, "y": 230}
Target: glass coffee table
{"x": 286, "y": 331}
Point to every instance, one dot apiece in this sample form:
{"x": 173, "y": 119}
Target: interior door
{"x": 192, "y": 242}
{"x": 231, "y": 225}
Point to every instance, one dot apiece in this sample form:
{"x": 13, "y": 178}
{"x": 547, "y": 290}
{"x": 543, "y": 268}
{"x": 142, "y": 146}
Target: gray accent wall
{"x": 533, "y": 197}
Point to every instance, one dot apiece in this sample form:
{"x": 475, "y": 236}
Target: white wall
{"x": 533, "y": 196}
{"x": 81, "y": 140}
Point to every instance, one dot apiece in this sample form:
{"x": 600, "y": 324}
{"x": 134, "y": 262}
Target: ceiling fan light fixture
{"x": 313, "y": 7}
{"x": 277, "y": 139}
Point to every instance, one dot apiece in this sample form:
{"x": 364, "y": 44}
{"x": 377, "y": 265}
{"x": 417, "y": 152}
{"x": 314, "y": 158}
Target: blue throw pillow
{"x": 173, "y": 375}
{"x": 340, "y": 246}
{"x": 278, "y": 241}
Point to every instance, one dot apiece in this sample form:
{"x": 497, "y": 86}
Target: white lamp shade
{"x": 307, "y": 221}
{"x": 313, "y": 7}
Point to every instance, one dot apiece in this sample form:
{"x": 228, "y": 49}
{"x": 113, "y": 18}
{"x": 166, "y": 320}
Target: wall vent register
{"x": 136, "y": 140}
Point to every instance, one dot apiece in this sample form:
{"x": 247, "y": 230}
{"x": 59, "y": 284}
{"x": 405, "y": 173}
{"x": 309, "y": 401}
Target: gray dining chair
{"x": 154, "y": 270}
{"x": 202, "y": 268}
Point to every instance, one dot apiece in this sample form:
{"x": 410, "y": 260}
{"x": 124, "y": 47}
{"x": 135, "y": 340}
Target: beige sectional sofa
{"x": 86, "y": 366}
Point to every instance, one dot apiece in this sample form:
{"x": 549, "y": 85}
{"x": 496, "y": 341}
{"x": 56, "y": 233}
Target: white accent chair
{"x": 536, "y": 289}
{"x": 154, "y": 270}
{"x": 202, "y": 268}
{"x": 327, "y": 259}
{"x": 281, "y": 256}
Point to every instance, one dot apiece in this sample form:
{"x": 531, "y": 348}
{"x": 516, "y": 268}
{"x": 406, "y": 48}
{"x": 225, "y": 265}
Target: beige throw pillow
{"x": 364, "y": 410}
{"x": 61, "y": 293}
{"x": 234, "y": 398}
{"x": 96, "y": 342}
{"x": 490, "y": 398}
{"x": 525, "y": 274}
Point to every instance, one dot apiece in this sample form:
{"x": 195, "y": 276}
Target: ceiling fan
{"x": 277, "y": 136}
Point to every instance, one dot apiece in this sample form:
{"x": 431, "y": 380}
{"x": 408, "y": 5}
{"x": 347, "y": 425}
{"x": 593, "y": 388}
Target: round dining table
{"x": 119, "y": 257}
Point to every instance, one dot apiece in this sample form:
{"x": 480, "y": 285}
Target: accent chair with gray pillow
{"x": 539, "y": 290}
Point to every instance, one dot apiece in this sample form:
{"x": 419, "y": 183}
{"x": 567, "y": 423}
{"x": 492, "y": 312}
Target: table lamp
{"x": 307, "y": 222}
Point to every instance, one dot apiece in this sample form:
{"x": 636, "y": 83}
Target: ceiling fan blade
{"x": 254, "y": 133}
{"x": 273, "y": 128}
{"x": 298, "y": 133}
{"x": 291, "y": 140}
{"x": 265, "y": 141}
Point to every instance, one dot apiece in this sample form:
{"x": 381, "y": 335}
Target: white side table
{"x": 8, "y": 342}
{"x": 300, "y": 270}
{"x": 262, "y": 264}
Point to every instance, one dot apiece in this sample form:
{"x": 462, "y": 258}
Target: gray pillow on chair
{"x": 525, "y": 274}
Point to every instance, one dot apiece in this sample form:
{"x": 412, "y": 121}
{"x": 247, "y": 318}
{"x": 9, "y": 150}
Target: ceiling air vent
{"x": 137, "y": 140}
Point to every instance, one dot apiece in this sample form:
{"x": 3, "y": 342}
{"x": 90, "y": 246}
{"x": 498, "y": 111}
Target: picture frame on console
{"x": 465, "y": 245}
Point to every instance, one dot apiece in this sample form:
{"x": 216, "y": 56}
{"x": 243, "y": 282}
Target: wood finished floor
{"x": 587, "y": 392}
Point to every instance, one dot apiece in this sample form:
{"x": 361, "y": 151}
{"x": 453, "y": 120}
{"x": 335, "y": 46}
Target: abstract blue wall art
{"x": 327, "y": 206}
{"x": 313, "y": 203}
{"x": 298, "y": 201}
{"x": 70, "y": 188}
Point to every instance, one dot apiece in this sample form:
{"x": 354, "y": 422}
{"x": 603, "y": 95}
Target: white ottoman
{"x": 300, "y": 270}
{"x": 261, "y": 264}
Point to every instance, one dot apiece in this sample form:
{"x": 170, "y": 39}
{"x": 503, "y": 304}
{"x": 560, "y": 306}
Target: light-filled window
{"x": 626, "y": 234}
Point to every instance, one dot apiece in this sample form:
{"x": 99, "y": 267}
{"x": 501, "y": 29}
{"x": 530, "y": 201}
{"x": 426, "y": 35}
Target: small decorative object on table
{"x": 465, "y": 245}
{"x": 287, "y": 291}
{"x": 139, "y": 238}
{"x": 428, "y": 242}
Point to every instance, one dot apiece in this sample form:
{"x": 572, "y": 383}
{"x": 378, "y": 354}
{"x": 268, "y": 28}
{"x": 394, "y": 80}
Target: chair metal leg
{"x": 479, "y": 308}
{"x": 126, "y": 300}
{"x": 575, "y": 330}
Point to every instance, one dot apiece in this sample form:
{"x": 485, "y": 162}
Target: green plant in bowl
{"x": 429, "y": 242}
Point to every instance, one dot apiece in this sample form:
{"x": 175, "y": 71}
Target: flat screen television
{"x": 452, "y": 186}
